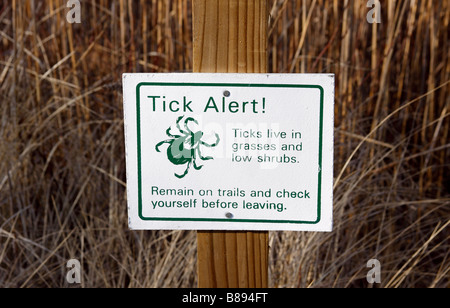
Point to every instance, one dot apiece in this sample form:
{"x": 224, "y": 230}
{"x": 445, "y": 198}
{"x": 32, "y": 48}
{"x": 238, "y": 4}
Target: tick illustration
{"x": 185, "y": 147}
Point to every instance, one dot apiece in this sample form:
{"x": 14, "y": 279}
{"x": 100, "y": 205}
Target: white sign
{"x": 229, "y": 151}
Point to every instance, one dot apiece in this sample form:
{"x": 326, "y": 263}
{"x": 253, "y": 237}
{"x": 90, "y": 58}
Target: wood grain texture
{"x": 230, "y": 36}
{"x": 232, "y": 259}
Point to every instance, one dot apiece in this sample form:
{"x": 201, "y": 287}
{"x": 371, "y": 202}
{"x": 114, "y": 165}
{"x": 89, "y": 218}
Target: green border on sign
{"x": 169, "y": 84}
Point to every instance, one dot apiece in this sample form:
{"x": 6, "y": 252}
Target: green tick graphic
{"x": 185, "y": 147}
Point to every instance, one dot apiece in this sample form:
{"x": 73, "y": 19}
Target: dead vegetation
{"x": 62, "y": 168}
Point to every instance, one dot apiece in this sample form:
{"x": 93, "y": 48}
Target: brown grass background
{"x": 62, "y": 166}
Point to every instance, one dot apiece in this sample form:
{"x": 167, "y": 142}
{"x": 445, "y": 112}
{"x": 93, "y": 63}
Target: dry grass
{"x": 62, "y": 172}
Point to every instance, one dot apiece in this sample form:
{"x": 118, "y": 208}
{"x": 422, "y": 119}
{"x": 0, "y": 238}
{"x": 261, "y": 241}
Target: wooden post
{"x": 230, "y": 36}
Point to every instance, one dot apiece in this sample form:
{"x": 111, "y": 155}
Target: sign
{"x": 229, "y": 151}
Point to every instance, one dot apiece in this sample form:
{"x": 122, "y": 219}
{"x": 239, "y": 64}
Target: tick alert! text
{"x": 223, "y": 105}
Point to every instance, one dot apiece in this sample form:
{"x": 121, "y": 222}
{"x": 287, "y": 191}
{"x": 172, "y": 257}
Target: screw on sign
{"x": 184, "y": 148}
